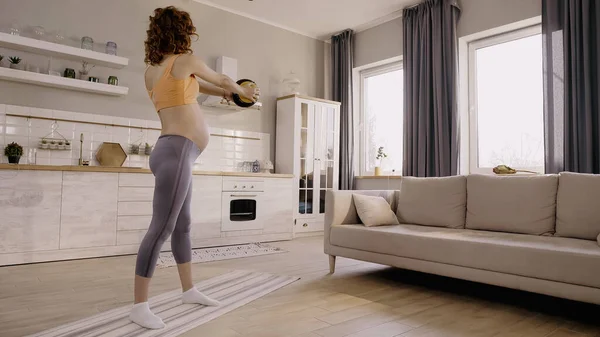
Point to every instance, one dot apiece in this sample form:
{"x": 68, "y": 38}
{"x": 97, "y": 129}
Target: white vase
{"x": 16, "y": 66}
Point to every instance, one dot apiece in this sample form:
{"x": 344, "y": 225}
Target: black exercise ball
{"x": 242, "y": 101}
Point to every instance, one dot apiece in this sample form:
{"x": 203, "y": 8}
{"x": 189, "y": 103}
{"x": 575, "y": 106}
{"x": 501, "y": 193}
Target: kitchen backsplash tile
{"x": 221, "y": 154}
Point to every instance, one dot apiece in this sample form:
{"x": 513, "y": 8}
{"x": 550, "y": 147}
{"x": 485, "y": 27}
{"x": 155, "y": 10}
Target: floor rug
{"x": 166, "y": 259}
{"x": 233, "y": 290}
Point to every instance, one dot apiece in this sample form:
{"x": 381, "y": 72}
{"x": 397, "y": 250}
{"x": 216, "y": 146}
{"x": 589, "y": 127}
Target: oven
{"x": 242, "y": 205}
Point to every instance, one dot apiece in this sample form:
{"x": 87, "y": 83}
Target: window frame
{"x": 361, "y": 74}
{"x": 472, "y": 46}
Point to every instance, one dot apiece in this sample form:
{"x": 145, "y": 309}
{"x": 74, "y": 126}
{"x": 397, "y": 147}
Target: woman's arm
{"x": 200, "y": 69}
{"x": 213, "y": 90}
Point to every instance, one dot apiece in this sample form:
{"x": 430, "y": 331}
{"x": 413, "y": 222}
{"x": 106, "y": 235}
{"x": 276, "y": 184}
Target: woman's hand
{"x": 251, "y": 93}
{"x": 228, "y": 95}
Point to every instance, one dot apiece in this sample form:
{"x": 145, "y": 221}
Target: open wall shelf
{"x": 61, "y": 51}
{"x": 23, "y": 76}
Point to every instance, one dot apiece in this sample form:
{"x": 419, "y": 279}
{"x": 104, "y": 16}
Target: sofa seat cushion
{"x": 434, "y": 201}
{"x": 557, "y": 259}
{"x": 577, "y": 211}
{"x": 512, "y": 204}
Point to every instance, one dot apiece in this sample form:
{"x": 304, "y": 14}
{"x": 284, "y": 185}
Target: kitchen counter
{"x": 53, "y": 213}
{"x": 133, "y": 170}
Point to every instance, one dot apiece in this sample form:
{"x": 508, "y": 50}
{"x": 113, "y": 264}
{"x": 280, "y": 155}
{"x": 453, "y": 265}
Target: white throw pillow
{"x": 374, "y": 211}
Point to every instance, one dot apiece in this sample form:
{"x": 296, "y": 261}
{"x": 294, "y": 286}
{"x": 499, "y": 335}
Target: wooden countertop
{"x": 132, "y": 170}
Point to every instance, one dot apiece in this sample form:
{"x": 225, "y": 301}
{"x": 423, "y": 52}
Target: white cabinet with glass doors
{"x": 307, "y": 146}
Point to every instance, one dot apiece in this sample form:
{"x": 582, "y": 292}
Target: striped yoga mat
{"x": 233, "y": 290}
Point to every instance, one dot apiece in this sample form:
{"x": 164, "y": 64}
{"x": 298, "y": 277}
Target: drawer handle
{"x": 305, "y": 225}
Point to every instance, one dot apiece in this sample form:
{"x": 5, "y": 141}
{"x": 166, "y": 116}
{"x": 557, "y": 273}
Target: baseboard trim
{"x": 8, "y": 259}
{"x": 308, "y": 234}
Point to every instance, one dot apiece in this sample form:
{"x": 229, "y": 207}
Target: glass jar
{"x": 39, "y": 32}
{"x": 59, "y": 37}
{"x": 87, "y": 43}
{"x": 111, "y": 48}
{"x": 15, "y": 29}
{"x": 113, "y": 80}
{"x": 31, "y": 156}
{"x": 69, "y": 73}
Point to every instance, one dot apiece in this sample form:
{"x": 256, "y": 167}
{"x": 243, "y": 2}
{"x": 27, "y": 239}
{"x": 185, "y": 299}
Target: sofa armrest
{"x": 340, "y": 209}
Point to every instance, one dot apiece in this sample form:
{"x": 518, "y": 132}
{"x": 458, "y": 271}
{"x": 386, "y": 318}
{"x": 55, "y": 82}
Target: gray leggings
{"x": 171, "y": 163}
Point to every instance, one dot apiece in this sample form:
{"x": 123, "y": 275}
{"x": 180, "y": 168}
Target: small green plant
{"x": 1, "y": 58}
{"x": 60, "y": 142}
{"x": 44, "y": 141}
{"x": 67, "y": 143}
{"x": 381, "y": 154}
{"x": 13, "y": 150}
{"x": 52, "y": 142}
{"x": 14, "y": 59}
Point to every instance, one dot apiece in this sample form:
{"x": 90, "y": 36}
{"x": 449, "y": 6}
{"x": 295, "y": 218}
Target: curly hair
{"x": 169, "y": 33}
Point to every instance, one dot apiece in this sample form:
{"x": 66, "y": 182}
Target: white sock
{"x": 193, "y": 296}
{"x": 141, "y": 315}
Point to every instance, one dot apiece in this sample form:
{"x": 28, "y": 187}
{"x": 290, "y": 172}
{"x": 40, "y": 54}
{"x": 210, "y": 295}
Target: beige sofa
{"x": 534, "y": 233}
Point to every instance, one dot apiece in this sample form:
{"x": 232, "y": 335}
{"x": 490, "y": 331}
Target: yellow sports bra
{"x": 169, "y": 91}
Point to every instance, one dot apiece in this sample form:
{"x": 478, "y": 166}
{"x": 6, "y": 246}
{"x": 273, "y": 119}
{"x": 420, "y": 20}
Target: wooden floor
{"x": 359, "y": 300}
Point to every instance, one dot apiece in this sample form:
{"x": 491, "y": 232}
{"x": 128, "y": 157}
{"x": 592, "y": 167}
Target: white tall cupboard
{"x": 307, "y": 146}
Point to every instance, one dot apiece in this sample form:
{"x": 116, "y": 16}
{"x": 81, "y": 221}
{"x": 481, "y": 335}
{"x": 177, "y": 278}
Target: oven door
{"x": 240, "y": 211}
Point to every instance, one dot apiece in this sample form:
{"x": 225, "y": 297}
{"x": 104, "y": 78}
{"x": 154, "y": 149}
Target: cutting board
{"x": 111, "y": 154}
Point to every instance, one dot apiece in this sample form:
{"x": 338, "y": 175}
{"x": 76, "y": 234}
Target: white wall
{"x": 385, "y": 41}
{"x": 264, "y": 53}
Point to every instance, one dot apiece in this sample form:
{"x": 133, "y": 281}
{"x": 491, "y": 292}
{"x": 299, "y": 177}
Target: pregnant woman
{"x": 172, "y": 84}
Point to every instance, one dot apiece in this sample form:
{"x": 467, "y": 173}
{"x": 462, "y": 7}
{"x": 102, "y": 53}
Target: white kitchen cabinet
{"x": 307, "y": 146}
{"x": 30, "y": 210}
{"x": 206, "y": 207}
{"x": 136, "y": 192}
{"x": 278, "y": 211}
{"x": 53, "y": 215}
{"x": 89, "y": 210}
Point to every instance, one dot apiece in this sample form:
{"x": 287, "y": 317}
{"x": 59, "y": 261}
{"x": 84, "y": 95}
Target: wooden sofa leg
{"x": 331, "y": 264}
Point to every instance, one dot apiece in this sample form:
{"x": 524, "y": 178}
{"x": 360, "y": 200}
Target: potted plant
{"x": 14, "y": 152}
{"x": 14, "y": 62}
{"x": 67, "y": 145}
{"x": 1, "y": 58}
{"x": 52, "y": 145}
{"x": 148, "y": 149}
{"x": 135, "y": 149}
{"x": 380, "y": 156}
{"x": 44, "y": 144}
{"x": 61, "y": 145}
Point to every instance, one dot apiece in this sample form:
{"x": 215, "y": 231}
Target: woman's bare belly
{"x": 186, "y": 121}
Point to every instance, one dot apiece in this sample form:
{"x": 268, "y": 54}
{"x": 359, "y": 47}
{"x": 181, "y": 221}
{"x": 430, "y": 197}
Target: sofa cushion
{"x": 514, "y": 204}
{"x": 578, "y": 208}
{"x": 439, "y": 202}
{"x": 374, "y": 210}
{"x": 557, "y": 259}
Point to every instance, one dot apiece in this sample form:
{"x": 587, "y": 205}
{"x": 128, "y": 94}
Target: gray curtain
{"x": 431, "y": 142}
{"x": 571, "y": 91}
{"x": 342, "y": 62}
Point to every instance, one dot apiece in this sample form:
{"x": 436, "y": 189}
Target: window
{"x": 506, "y": 101}
{"x": 381, "y": 116}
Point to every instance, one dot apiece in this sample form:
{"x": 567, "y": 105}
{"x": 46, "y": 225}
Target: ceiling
{"x": 316, "y": 18}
